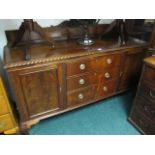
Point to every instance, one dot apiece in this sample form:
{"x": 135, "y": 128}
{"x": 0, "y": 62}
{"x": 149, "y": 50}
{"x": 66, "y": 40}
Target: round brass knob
{"x": 105, "y": 89}
{"x": 107, "y": 75}
{"x": 109, "y": 61}
{"x": 80, "y": 96}
{"x": 81, "y": 81}
{"x": 82, "y": 66}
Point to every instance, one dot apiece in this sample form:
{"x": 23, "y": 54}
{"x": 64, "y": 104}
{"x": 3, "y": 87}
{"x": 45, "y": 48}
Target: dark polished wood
{"x": 152, "y": 38}
{"x": 132, "y": 68}
{"x": 143, "y": 111}
{"x": 149, "y": 74}
{"x": 106, "y": 89}
{"x": 117, "y": 29}
{"x": 33, "y": 90}
{"x": 81, "y": 96}
{"x": 92, "y": 78}
{"x": 142, "y": 123}
{"x": 67, "y": 75}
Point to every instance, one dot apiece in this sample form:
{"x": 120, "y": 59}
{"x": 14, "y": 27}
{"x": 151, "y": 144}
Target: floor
{"x": 107, "y": 117}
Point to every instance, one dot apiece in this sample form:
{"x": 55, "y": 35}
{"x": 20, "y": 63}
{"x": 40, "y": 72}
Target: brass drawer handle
{"x": 109, "y": 61}
{"x": 80, "y": 96}
{"x": 2, "y": 125}
{"x": 82, "y": 66}
{"x": 81, "y": 81}
{"x": 105, "y": 89}
{"x": 152, "y": 95}
{"x": 107, "y": 75}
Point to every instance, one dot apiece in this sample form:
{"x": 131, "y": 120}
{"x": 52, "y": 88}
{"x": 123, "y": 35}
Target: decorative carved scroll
{"x": 30, "y": 33}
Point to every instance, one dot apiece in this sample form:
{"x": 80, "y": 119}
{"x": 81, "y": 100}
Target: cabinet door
{"x": 131, "y": 68}
{"x": 36, "y": 90}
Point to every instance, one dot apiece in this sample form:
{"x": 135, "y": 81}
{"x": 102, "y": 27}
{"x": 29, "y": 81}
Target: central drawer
{"x": 92, "y": 78}
{"x": 80, "y": 66}
{"x": 95, "y": 64}
{"x": 81, "y": 96}
{"x": 93, "y": 92}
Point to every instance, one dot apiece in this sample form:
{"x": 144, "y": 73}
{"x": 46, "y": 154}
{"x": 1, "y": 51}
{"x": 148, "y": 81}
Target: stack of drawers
{"x": 92, "y": 79}
{"x": 143, "y": 110}
{"x": 7, "y": 121}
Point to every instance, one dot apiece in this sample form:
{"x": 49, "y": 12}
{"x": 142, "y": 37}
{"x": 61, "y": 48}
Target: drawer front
{"x": 81, "y": 96}
{"x": 81, "y": 81}
{"x": 93, "y": 78}
{"x": 5, "y": 123}
{"x": 147, "y": 90}
{"x": 97, "y": 64}
{"x": 147, "y": 107}
{"x": 3, "y": 106}
{"x": 109, "y": 61}
{"x": 149, "y": 74}
{"x": 106, "y": 89}
{"x": 80, "y": 66}
{"x": 109, "y": 74}
{"x": 147, "y": 126}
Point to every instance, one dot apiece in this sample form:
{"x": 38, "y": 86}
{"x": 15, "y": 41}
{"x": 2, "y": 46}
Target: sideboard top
{"x": 62, "y": 50}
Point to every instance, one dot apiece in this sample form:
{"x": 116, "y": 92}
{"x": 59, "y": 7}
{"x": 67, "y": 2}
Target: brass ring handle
{"x": 109, "y": 61}
{"x": 82, "y": 66}
{"x": 80, "y": 96}
{"x": 81, "y": 81}
{"x": 107, "y": 75}
{"x": 151, "y": 94}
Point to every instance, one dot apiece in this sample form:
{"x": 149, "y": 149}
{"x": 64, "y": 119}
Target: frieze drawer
{"x": 95, "y": 64}
{"x": 80, "y": 66}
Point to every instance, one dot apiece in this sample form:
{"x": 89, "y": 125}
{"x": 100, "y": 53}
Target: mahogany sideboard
{"x": 143, "y": 110}
{"x": 67, "y": 76}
